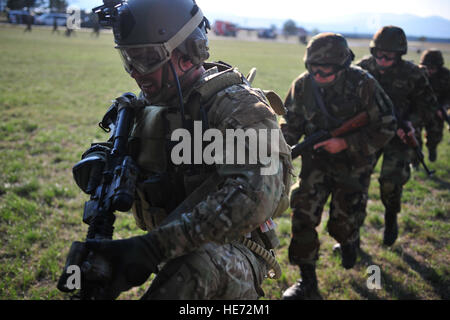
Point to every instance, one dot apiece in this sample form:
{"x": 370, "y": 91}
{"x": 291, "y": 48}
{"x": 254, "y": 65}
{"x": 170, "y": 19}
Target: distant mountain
{"x": 364, "y": 23}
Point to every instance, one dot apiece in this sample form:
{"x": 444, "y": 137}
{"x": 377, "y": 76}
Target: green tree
{"x": 57, "y": 5}
{"x": 290, "y": 28}
{"x": 20, "y": 4}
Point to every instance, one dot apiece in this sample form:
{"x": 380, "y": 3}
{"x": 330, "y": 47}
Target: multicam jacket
{"x": 356, "y": 91}
{"x": 245, "y": 198}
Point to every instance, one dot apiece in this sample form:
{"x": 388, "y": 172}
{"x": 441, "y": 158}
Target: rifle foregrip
{"x": 412, "y": 141}
{"x": 354, "y": 123}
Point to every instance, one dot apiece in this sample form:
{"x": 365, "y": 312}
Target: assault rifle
{"x": 412, "y": 142}
{"x": 111, "y": 181}
{"x": 355, "y": 123}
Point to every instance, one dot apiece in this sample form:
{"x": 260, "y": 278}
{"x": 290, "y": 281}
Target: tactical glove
{"x": 132, "y": 260}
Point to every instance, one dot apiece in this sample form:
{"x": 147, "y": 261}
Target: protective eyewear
{"x": 388, "y": 56}
{"x": 144, "y": 59}
{"x": 318, "y": 70}
{"x": 148, "y": 58}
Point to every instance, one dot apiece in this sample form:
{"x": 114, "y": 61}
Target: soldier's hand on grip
{"x": 133, "y": 260}
{"x": 402, "y": 134}
{"x": 333, "y": 145}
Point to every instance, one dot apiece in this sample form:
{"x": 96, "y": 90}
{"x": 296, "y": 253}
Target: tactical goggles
{"x": 315, "y": 70}
{"x": 145, "y": 59}
{"x": 386, "y": 55}
{"x": 150, "y": 57}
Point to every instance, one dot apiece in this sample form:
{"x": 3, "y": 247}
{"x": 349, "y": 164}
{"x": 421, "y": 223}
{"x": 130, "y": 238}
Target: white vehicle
{"x": 49, "y": 18}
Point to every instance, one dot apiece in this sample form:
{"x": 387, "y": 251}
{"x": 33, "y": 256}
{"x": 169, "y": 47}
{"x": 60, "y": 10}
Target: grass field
{"x": 53, "y": 92}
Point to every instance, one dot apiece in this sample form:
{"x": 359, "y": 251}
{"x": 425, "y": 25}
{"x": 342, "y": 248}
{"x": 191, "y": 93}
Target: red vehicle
{"x": 225, "y": 28}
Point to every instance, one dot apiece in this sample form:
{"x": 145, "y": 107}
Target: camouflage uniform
{"x": 345, "y": 175}
{"x": 414, "y": 100}
{"x": 217, "y": 246}
{"x": 440, "y": 82}
{"x": 205, "y": 258}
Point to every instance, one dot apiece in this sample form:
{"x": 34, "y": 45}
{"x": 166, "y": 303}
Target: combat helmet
{"x": 390, "y": 38}
{"x": 432, "y": 57}
{"x": 328, "y": 49}
{"x": 147, "y": 31}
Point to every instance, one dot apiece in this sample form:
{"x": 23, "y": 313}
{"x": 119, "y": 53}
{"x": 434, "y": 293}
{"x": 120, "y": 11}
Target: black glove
{"x": 132, "y": 260}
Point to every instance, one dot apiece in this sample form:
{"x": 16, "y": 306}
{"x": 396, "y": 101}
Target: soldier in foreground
{"x": 325, "y": 96}
{"x": 415, "y": 105}
{"x": 219, "y": 247}
{"x": 433, "y": 63}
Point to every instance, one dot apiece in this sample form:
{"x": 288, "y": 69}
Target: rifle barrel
{"x": 300, "y": 148}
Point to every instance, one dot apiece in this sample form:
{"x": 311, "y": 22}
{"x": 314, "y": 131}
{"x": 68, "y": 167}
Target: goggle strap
{"x": 184, "y": 32}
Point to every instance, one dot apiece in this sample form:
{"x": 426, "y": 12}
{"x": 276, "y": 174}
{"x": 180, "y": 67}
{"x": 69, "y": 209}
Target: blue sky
{"x": 308, "y": 10}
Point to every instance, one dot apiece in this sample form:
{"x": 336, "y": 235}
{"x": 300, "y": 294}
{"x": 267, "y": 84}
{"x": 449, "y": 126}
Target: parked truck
{"x": 225, "y": 28}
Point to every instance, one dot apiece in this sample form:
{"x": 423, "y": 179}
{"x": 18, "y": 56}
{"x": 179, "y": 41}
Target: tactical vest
{"x": 163, "y": 186}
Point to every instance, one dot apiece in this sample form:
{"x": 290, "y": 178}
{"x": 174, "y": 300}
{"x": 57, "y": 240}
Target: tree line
{"x": 53, "y": 5}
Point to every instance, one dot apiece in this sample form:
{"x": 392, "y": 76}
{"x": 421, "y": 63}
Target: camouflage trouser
{"x": 395, "y": 173}
{"x": 433, "y": 134}
{"x": 349, "y": 195}
{"x": 214, "y": 271}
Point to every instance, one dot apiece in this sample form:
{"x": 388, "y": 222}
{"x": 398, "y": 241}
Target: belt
{"x": 268, "y": 256}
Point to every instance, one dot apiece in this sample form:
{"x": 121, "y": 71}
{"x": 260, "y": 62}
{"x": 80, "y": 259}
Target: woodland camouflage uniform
{"x": 346, "y": 175}
{"x": 414, "y": 101}
{"x": 440, "y": 82}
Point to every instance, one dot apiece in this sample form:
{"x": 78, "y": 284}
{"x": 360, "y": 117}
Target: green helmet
{"x": 390, "y": 38}
{"x": 147, "y": 31}
{"x": 328, "y": 48}
{"x": 432, "y": 57}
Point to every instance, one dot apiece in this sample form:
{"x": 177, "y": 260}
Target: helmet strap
{"x": 179, "y": 93}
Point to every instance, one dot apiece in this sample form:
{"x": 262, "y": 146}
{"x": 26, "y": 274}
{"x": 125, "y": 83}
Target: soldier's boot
{"x": 390, "y": 228}
{"x": 348, "y": 252}
{"x": 306, "y": 288}
{"x": 432, "y": 154}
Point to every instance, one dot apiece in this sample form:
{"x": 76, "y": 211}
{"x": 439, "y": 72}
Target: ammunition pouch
{"x": 153, "y": 194}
